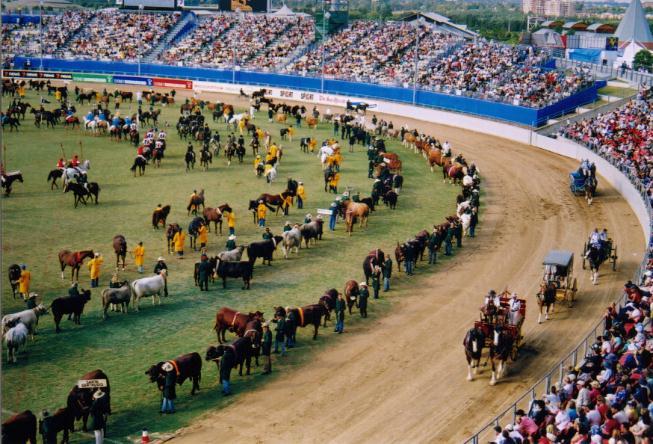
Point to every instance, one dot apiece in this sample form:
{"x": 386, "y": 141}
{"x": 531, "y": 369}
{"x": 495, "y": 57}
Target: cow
{"x": 70, "y": 305}
{"x": 80, "y": 399}
{"x": 234, "y": 255}
{"x": 291, "y": 239}
{"x": 351, "y": 292}
{"x": 15, "y": 338}
{"x": 328, "y": 301}
{"x": 196, "y": 270}
{"x": 263, "y": 249}
{"x": 243, "y": 269}
{"x": 188, "y": 366}
{"x": 63, "y": 420}
{"x": 149, "y": 286}
{"x": 234, "y": 321}
{"x": 373, "y": 259}
{"x": 119, "y": 296}
{"x": 20, "y": 428}
{"x": 312, "y": 230}
{"x": 307, "y": 315}
{"x": 390, "y": 199}
{"x": 254, "y": 331}
{"x": 242, "y": 348}
{"x": 28, "y": 317}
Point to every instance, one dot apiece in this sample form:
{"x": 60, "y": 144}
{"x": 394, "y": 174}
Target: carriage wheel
{"x": 514, "y": 353}
{"x": 584, "y": 251}
{"x": 614, "y": 259}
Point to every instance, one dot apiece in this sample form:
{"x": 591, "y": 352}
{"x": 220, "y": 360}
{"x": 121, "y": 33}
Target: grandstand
{"x": 447, "y": 61}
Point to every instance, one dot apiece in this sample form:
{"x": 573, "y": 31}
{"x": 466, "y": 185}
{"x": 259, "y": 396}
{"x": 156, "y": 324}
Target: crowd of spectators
{"x": 253, "y": 41}
{"x": 25, "y": 39}
{"x": 113, "y": 35}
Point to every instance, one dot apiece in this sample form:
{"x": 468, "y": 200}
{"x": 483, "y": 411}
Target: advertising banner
{"x": 132, "y": 80}
{"x": 36, "y": 74}
{"x": 172, "y": 83}
{"x": 96, "y": 78}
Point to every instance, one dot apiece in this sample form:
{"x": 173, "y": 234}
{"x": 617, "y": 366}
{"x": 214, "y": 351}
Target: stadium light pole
{"x": 140, "y": 35}
{"x": 418, "y": 23}
{"x": 41, "y": 33}
{"x": 233, "y": 50}
{"x": 325, "y": 17}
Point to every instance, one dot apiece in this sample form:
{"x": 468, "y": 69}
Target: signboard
{"x": 132, "y": 80}
{"x": 91, "y": 383}
{"x": 96, "y": 78}
{"x": 323, "y": 211}
{"x": 612, "y": 43}
{"x": 36, "y": 74}
{"x": 172, "y": 83}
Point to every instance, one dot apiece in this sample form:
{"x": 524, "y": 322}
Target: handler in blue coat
{"x": 227, "y": 362}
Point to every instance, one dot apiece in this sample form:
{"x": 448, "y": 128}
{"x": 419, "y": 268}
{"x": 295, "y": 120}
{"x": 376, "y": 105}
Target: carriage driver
{"x": 514, "y": 307}
{"x": 491, "y": 307}
{"x": 595, "y": 238}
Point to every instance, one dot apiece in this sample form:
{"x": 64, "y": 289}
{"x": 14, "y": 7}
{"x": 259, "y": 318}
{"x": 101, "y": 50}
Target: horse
{"x": 473, "y": 343}
{"x": 189, "y": 158}
{"x": 81, "y": 192}
{"x": 195, "y": 202}
{"x": 500, "y": 350}
{"x": 71, "y": 173}
{"x": 120, "y": 248}
{"x": 374, "y": 258}
{"x": 454, "y": 172}
{"x": 13, "y": 123}
{"x": 594, "y": 256}
{"x": 171, "y": 230}
{"x": 159, "y": 216}
{"x": 546, "y": 299}
{"x": 139, "y": 162}
{"x": 193, "y": 231}
{"x": 355, "y": 210}
{"x": 53, "y": 175}
{"x": 272, "y": 200}
{"x": 590, "y": 189}
{"x": 10, "y": 178}
{"x": 205, "y": 159}
{"x": 215, "y": 215}
{"x": 74, "y": 260}
{"x": 14, "y": 275}
{"x": 351, "y": 293}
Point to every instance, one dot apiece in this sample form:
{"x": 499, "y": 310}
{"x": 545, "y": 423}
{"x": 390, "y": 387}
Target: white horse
{"x": 73, "y": 173}
{"x": 149, "y": 286}
{"x": 271, "y": 175}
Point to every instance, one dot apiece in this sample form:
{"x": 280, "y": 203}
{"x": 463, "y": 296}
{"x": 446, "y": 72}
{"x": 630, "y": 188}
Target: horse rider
{"x": 446, "y": 149}
{"x": 74, "y": 162}
{"x": 189, "y": 149}
{"x": 61, "y": 164}
{"x": 162, "y": 135}
{"x": 514, "y": 307}
{"x": 491, "y": 306}
{"x": 586, "y": 167}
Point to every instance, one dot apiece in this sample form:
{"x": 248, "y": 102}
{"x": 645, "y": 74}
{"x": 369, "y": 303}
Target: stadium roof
{"x": 634, "y": 25}
{"x": 442, "y": 22}
{"x": 578, "y": 26}
{"x": 601, "y": 28}
{"x": 552, "y": 23}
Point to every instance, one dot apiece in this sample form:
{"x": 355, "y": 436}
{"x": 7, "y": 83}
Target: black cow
{"x": 188, "y": 366}
{"x": 62, "y": 420}
{"x": 70, "y": 305}
{"x": 80, "y": 399}
{"x": 369, "y": 202}
{"x": 328, "y": 301}
{"x": 263, "y": 249}
{"x": 390, "y": 199}
{"x": 243, "y": 269}
{"x": 20, "y": 428}
{"x": 312, "y": 230}
{"x": 196, "y": 271}
{"x": 242, "y": 348}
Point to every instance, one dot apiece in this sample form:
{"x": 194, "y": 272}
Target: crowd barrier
{"x": 494, "y": 110}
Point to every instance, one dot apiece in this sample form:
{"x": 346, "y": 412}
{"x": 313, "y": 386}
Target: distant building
{"x": 549, "y": 8}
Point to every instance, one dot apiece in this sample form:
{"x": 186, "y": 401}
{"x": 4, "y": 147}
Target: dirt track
{"x": 401, "y": 378}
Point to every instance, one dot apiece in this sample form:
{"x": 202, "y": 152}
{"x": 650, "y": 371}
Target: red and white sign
{"x": 172, "y": 83}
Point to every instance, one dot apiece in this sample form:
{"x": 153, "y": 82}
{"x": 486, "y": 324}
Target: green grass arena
{"x": 38, "y": 223}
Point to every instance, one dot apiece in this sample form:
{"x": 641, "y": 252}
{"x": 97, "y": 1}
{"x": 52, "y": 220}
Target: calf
{"x": 188, "y": 366}
{"x": 312, "y": 230}
{"x": 119, "y": 296}
{"x": 20, "y": 428}
{"x": 263, "y": 249}
{"x": 70, "y": 305}
{"x": 242, "y": 348}
{"x": 243, "y": 269}
{"x": 28, "y": 317}
{"x": 62, "y": 420}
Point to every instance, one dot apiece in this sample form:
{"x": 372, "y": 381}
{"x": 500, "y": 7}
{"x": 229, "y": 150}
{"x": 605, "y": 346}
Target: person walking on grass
{"x": 139, "y": 255}
{"x": 261, "y": 212}
{"x": 204, "y": 271}
{"x": 179, "y": 240}
{"x": 387, "y": 273}
{"x": 363, "y": 296}
{"x": 266, "y": 348}
{"x": 94, "y": 268}
{"x": 98, "y": 413}
{"x": 24, "y": 281}
{"x": 340, "y": 314}
{"x": 203, "y": 237}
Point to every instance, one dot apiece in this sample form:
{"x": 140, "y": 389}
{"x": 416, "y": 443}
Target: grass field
{"x": 37, "y": 223}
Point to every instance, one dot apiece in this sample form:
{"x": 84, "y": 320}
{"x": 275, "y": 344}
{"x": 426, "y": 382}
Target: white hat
{"x": 161, "y": 259}
{"x": 97, "y": 254}
{"x": 167, "y": 367}
{"x": 232, "y": 237}
{"x": 551, "y": 437}
{"x": 362, "y": 284}
{"x": 98, "y": 394}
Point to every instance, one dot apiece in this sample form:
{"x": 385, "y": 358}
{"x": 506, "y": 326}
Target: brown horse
{"x": 215, "y": 215}
{"x": 73, "y": 260}
{"x": 454, "y": 172}
{"x": 275, "y": 199}
{"x": 351, "y": 292}
{"x": 234, "y": 321}
{"x": 159, "y": 216}
{"x": 435, "y": 158}
{"x": 170, "y": 234}
{"x": 195, "y": 203}
{"x": 120, "y": 248}
{"x": 311, "y": 122}
{"x": 354, "y": 210}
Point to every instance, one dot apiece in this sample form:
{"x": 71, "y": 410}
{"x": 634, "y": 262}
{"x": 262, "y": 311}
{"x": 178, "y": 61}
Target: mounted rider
{"x": 74, "y": 162}
{"x": 446, "y": 149}
{"x": 61, "y": 164}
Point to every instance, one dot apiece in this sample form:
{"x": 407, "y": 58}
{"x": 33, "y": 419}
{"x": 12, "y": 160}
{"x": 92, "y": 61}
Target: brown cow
{"x": 80, "y": 400}
{"x": 374, "y": 258}
{"x": 188, "y": 366}
{"x": 307, "y": 315}
{"x": 20, "y": 428}
{"x": 351, "y": 293}
{"x": 328, "y": 301}
{"x": 234, "y": 321}
{"x": 62, "y": 420}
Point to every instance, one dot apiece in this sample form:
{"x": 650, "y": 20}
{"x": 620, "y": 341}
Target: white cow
{"x": 14, "y": 339}
{"x": 29, "y": 318}
{"x": 291, "y": 239}
{"x": 149, "y": 286}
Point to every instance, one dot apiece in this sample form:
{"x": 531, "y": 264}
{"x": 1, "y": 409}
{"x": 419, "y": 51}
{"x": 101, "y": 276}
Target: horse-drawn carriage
{"x": 606, "y": 252}
{"x": 577, "y": 182}
{"x": 583, "y": 184}
{"x": 502, "y": 319}
{"x": 559, "y": 270}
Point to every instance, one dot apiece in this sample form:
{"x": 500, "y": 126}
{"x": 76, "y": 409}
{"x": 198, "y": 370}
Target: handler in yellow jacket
{"x": 203, "y": 237}
{"x": 139, "y": 254}
{"x": 179, "y": 240}
{"x": 94, "y": 267}
{"x": 287, "y": 203}
{"x": 301, "y": 195}
{"x": 261, "y": 212}
{"x": 24, "y": 281}
{"x": 333, "y": 183}
{"x": 231, "y": 222}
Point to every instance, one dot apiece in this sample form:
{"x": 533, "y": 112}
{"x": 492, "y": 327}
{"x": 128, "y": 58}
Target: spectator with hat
{"x": 169, "y": 388}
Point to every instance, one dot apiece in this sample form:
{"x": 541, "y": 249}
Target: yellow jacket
{"x": 203, "y": 235}
{"x": 287, "y": 202}
{"x": 291, "y": 131}
{"x": 257, "y": 161}
{"x": 179, "y": 240}
{"x": 312, "y": 144}
{"x": 273, "y": 150}
{"x": 94, "y": 266}
{"x": 260, "y": 133}
{"x": 139, "y": 253}
{"x": 231, "y": 219}
{"x": 300, "y": 192}
{"x": 334, "y": 180}
{"x": 261, "y": 211}
{"x": 24, "y": 281}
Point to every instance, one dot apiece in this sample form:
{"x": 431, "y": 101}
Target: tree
{"x": 643, "y": 59}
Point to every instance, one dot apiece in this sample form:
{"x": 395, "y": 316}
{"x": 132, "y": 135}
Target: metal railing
{"x": 605, "y": 71}
{"x": 556, "y": 374}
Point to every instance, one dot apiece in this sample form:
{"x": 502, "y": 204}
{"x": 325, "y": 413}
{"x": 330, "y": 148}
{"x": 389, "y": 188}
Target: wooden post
{"x": 63, "y": 153}
{"x": 81, "y": 151}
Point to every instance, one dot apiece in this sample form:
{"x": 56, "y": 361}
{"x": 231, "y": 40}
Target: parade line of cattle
{"x": 248, "y": 327}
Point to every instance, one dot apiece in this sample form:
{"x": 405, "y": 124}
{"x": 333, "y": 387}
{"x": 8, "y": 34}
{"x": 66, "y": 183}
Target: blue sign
{"x": 132, "y": 80}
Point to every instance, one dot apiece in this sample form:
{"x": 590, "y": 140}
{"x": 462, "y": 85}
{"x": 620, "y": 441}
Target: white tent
{"x": 285, "y": 10}
{"x": 634, "y": 25}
